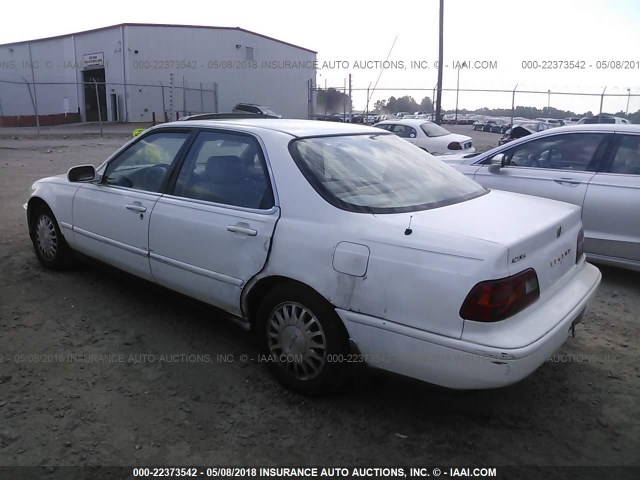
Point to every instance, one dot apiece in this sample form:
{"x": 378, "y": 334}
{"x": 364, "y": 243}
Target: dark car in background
{"x": 256, "y": 109}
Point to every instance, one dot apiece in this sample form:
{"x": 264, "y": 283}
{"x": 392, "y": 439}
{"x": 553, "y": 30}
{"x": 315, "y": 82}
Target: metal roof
{"x": 162, "y": 25}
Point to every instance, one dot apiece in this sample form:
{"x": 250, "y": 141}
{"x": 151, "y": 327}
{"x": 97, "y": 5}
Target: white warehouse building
{"x": 137, "y": 72}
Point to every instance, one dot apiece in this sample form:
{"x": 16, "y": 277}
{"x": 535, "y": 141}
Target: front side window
{"x": 379, "y": 173}
{"x": 627, "y": 156}
{"x": 225, "y": 168}
{"x": 562, "y": 152}
{"x": 145, "y": 165}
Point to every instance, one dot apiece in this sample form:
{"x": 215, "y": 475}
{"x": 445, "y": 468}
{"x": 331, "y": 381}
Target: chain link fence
{"x": 545, "y": 103}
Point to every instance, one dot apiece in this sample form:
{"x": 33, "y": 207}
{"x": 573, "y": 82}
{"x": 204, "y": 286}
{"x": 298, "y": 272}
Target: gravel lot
{"x": 99, "y": 368}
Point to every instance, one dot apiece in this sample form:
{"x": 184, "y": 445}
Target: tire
{"x": 305, "y": 342}
{"x": 49, "y": 244}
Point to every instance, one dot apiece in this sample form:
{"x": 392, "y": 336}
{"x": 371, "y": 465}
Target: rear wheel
{"x": 49, "y": 244}
{"x": 305, "y": 342}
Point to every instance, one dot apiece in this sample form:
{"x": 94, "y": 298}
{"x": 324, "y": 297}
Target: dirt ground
{"x": 99, "y": 368}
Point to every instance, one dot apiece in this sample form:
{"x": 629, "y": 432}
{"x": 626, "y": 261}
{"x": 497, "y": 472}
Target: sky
{"x": 505, "y": 42}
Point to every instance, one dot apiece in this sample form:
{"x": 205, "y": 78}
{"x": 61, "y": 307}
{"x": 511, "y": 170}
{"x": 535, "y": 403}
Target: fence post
{"x": 601, "y": 102}
{"x": 164, "y": 108}
{"x": 215, "y": 96}
{"x": 95, "y": 84}
{"x": 513, "y": 103}
{"x": 184, "y": 97}
{"x": 34, "y": 103}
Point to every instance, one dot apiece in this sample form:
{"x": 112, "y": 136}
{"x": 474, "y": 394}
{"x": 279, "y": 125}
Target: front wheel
{"x": 305, "y": 342}
{"x": 49, "y": 244}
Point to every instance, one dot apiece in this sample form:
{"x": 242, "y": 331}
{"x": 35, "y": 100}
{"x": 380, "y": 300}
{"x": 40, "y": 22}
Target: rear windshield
{"x": 379, "y": 173}
{"x": 433, "y": 130}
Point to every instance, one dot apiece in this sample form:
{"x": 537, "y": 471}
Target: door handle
{"x": 136, "y": 208}
{"x": 247, "y": 231}
{"x": 566, "y": 181}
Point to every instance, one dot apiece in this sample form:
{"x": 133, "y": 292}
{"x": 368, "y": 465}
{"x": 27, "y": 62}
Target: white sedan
{"x": 429, "y": 136}
{"x": 335, "y": 243}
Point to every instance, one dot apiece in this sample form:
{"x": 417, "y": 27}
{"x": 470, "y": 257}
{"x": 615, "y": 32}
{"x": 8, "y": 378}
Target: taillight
{"x": 454, "y": 146}
{"x": 580, "y": 245}
{"x": 495, "y": 300}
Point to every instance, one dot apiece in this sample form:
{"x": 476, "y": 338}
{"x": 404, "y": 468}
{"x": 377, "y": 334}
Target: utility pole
{"x": 440, "y": 66}
{"x": 548, "y": 101}
{"x": 457, "y": 94}
{"x": 628, "y": 98}
{"x": 350, "y": 101}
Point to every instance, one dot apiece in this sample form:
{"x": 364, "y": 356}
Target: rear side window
{"x": 404, "y": 131}
{"x": 225, "y": 168}
{"x": 627, "y": 156}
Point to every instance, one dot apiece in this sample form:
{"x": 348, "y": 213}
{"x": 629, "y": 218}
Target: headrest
{"x": 224, "y": 169}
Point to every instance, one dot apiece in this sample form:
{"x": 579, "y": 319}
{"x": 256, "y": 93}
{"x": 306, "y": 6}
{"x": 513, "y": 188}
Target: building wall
{"x": 37, "y": 62}
{"x": 212, "y": 56}
{"x": 155, "y": 62}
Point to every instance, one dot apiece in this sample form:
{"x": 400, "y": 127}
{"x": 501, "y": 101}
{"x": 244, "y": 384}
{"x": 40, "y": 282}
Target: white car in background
{"x": 596, "y": 167}
{"x": 572, "y": 120}
{"x": 603, "y": 119}
{"x": 552, "y": 122}
{"x": 335, "y": 243}
{"x": 429, "y": 136}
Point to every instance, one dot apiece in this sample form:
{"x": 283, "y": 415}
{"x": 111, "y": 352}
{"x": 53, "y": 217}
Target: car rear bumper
{"x": 460, "y": 364}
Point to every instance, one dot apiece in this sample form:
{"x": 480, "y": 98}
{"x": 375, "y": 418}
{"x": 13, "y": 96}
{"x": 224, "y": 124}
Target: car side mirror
{"x": 81, "y": 173}
{"x": 497, "y": 162}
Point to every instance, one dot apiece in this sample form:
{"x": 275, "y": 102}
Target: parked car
{"x": 552, "y": 122}
{"x": 295, "y": 229}
{"x": 429, "y": 136}
{"x": 522, "y": 129}
{"x": 369, "y": 119}
{"x": 594, "y": 166}
{"x": 603, "y": 119}
{"x": 572, "y": 120}
{"x": 479, "y": 123}
{"x": 449, "y": 118}
{"x": 254, "y": 108}
{"x": 328, "y": 118}
{"x": 498, "y": 125}
{"x": 488, "y": 124}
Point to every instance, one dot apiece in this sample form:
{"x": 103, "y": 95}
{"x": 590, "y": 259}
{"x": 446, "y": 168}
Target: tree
{"x": 634, "y": 117}
{"x": 380, "y": 106}
{"x": 426, "y": 105}
{"x": 332, "y": 101}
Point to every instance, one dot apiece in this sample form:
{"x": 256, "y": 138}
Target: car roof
{"x": 596, "y": 127}
{"x": 409, "y": 121}
{"x": 600, "y": 127}
{"x": 293, "y": 127}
